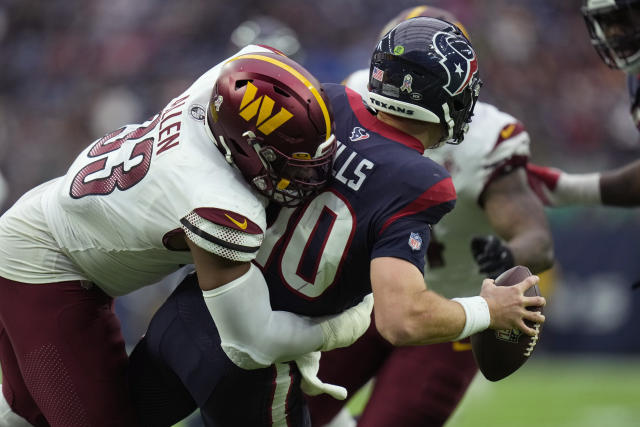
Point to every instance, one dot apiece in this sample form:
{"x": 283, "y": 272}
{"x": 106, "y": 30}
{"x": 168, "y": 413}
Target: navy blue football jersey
{"x": 633, "y": 83}
{"x": 381, "y": 201}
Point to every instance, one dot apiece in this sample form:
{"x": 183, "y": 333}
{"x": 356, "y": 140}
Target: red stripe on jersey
{"x": 441, "y": 192}
{"x": 229, "y": 219}
{"x": 508, "y": 132}
{"x": 370, "y": 122}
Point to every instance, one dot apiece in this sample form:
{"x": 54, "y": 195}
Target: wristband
{"x": 583, "y": 189}
{"x": 477, "y": 315}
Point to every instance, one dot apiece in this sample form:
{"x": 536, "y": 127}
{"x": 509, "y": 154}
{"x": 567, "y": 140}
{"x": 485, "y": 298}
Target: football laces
{"x": 533, "y": 342}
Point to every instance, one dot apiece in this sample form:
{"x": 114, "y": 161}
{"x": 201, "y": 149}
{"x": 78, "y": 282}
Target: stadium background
{"x": 72, "y": 70}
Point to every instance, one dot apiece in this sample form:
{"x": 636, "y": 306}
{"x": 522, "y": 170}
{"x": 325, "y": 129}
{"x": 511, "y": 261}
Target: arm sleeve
{"x": 252, "y": 334}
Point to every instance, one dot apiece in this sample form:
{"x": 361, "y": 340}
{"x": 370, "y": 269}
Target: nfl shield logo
{"x": 509, "y": 335}
{"x": 415, "y": 241}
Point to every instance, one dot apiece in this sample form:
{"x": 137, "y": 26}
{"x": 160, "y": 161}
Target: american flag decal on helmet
{"x": 377, "y": 74}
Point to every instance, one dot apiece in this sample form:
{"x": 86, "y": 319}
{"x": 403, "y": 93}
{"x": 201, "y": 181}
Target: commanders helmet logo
{"x": 458, "y": 59}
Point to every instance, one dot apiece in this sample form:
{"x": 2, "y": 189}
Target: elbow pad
{"x": 252, "y": 334}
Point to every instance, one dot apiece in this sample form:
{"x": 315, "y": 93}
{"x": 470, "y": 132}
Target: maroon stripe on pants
{"x": 62, "y": 355}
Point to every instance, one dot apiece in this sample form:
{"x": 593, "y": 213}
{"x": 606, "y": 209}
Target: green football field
{"x": 558, "y": 392}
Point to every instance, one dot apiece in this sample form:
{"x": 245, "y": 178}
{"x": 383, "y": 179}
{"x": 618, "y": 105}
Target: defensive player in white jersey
{"x": 137, "y": 204}
{"x": 497, "y": 222}
{"x": 613, "y": 28}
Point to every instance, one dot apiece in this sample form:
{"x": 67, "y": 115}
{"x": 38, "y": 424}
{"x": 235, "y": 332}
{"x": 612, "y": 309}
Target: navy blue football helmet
{"x": 426, "y": 69}
{"x": 614, "y": 28}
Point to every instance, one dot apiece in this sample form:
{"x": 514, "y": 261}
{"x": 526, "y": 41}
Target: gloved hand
{"x": 345, "y": 328}
{"x": 309, "y": 364}
{"x": 492, "y": 255}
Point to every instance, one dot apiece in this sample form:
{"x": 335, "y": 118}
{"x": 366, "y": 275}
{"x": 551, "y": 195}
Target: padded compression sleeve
{"x": 253, "y": 335}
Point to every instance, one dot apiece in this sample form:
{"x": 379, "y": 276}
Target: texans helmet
{"x": 272, "y": 120}
{"x": 426, "y": 69}
{"x": 614, "y": 28}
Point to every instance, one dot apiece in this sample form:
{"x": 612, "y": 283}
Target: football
{"x": 499, "y": 353}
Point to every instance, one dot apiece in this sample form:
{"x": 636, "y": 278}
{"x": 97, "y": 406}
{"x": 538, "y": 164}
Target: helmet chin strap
{"x": 449, "y": 122}
{"x": 227, "y": 152}
{"x": 262, "y": 181}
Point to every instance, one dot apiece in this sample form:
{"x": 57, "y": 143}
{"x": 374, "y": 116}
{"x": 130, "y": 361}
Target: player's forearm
{"x": 405, "y": 312}
{"x": 427, "y": 318}
{"x": 621, "y": 187}
{"x": 533, "y": 247}
{"x": 252, "y": 334}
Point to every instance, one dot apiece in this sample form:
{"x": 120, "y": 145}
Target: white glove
{"x": 345, "y": 328}
{"x": 309, "y": 364}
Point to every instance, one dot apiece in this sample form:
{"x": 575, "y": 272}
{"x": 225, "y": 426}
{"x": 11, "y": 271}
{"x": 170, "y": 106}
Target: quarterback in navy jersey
{"x": 366, "y": 232}
{"x": 613, "y": 28}
{"x": 383, "y": 197}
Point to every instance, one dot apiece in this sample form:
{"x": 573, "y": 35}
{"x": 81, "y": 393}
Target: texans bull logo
{"x": 458, "y": 59}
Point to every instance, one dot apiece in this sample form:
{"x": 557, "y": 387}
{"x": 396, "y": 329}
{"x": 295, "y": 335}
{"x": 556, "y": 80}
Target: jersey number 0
{"x": 310, "y": 253}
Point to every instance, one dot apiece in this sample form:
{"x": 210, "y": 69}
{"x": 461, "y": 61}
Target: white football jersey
{"x": 496, "y": 143}
{"x": 109, "y": 219}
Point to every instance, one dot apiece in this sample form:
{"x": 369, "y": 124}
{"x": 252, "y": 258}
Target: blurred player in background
{"x": 369, "y": 230}
{"x": 614, "y": 28}
{"x": 136, "y": 205}
{"x": 498, "y": 222}
{"x": 269, "y": 31}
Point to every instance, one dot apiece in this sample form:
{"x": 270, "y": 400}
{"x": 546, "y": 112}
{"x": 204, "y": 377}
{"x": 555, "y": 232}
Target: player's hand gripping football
{"x": 492, "y": 255}
{"x": 508, "y": 305}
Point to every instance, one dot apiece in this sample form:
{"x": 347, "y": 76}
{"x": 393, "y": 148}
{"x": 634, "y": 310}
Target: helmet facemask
{"x": 460, "y": 110}
{"x": 289, "y": 180}
{"x": 615, "y": 33}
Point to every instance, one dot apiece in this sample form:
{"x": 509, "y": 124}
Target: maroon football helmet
{"x": 272, "y": 120}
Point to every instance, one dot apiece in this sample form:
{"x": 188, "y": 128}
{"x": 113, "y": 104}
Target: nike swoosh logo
{"x": 461, "y": 346}
{"x": 242, "y": 225}
{"x": 506, "y": 132}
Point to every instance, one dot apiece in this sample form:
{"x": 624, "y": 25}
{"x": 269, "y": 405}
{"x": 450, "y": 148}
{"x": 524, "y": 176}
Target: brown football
{"x": 499, "y": 353}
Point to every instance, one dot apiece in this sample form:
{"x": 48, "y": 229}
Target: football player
{"x": 140, "y": 202}
{"x": 498, "y": 222}
{"x": 369, "y": 230}
{"x": 613, "y": 27}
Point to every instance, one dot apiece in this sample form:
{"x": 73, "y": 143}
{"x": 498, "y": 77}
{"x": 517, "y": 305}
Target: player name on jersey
{"x": 351, "y": 168}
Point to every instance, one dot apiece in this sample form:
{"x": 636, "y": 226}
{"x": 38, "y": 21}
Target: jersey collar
{"x": 370, "y": 122}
